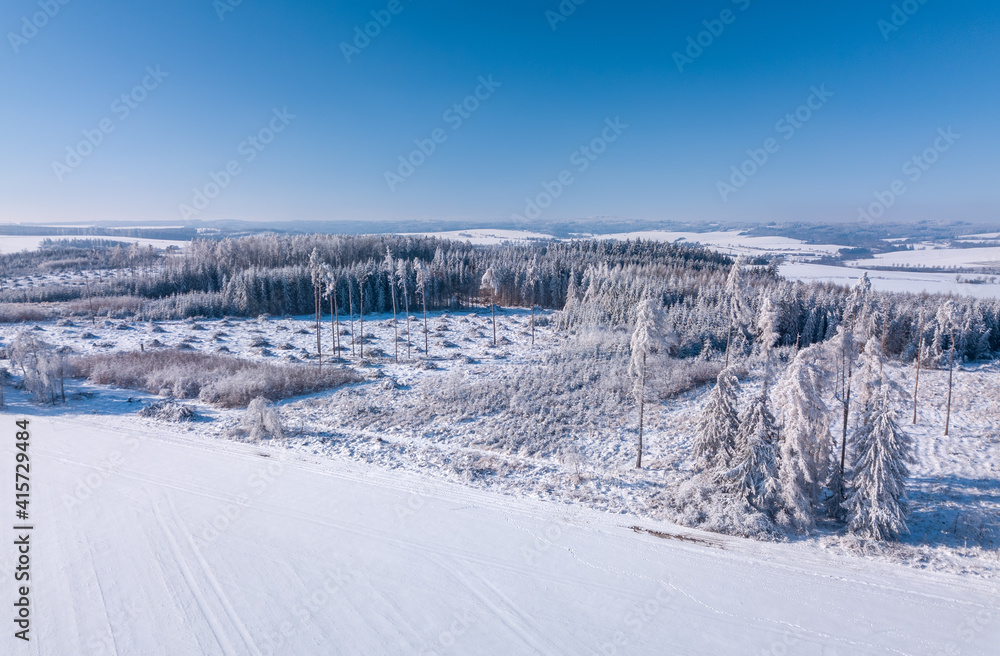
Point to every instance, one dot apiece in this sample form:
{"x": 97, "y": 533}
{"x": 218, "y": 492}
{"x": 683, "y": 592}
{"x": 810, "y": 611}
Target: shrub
{"x": 221, "y": 380}
{"x": 260, "y": 420}
{"x": 168, "y": 411}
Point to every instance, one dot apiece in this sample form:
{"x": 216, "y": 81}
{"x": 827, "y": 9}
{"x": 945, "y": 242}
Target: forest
{"x": 799, "y": 424}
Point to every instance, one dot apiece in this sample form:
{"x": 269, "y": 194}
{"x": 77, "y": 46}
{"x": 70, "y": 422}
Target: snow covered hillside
{"x": 153, "y": 542}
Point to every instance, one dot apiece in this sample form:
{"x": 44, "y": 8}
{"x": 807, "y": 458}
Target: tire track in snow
{"x": 207, "y": 570}
{"x": 217, "y": 630}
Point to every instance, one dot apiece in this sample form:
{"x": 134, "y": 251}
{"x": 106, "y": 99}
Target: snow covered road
{"x": 163, "y": 544}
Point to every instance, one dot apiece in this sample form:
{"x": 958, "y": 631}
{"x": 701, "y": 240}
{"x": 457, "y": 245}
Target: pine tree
{"x": 804, "y": 439}
{"x": 719, "y": 425}
{"x": 876, "y": 505}
{"x": 755, "y": 473}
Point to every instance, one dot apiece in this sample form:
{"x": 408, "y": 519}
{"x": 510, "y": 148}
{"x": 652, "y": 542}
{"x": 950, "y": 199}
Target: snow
{"x": 929, "y": 255}
{"x": 157, "y": 542}
{"x": 483, "y": 236}
{"x": 892, "y": 281}
{"x": 13, "y": 244}
{"x": 734, "y": 243}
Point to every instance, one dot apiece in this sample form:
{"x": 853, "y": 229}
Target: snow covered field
{"x": 485, "y": 236}
{"x": 931, "y": 255}
{"x": 15, "y": 243}
{"x": 733, "y": 243}
{"x": 149, "y": 541}
{"x": 891, "y": 281}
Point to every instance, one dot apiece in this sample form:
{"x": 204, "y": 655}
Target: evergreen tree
{"x": 755, "y": 472}
{"x": 719, "y": 425}
{"x": 876, "y": 505}
{"x": 804, "y": 439}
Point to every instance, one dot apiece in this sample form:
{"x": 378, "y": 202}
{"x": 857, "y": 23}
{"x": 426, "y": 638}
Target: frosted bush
{"x": 260, "y": 421}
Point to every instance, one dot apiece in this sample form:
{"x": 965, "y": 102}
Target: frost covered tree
{"x": 423, "y": 277}
{"x": 331, "y": 279}
{"x": 390, "y": 269}
{"x": 916, "y": 360}
{"x": 363, "y": 273}
{"x": 767, "y": 326}
{"x": 876, "y": 505}
{"x": 804, "y": 439}
{"x": 946, "y": 326}
{"x": 737, "y": 307}
{"x": 316, "y": 271}
{"x": 491, "y": 285}
{"x": 402, "y": 272}
{"x": 530, "y": 281}
{"x": 719, "y": 425}
{"x": 647, "y": 338}
{"x": 261, "y": 420}
{"x": 755, "y": 469}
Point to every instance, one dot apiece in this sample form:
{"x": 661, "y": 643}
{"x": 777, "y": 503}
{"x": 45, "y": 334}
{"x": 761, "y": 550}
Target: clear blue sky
{"x": 892, "y": 91}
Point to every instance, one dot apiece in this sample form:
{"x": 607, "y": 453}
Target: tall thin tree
{"x": 920, "y": 355}
{"x": 646, "y": 339}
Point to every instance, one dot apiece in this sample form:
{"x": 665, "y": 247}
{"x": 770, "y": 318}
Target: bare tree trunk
{"x": 493, "y": 310}
{"x": 395, "y": 325}
{"x": 951, "y": 369}
{"x": 427, "y": 353}
{"x": 350, "y": 303}
{"x": 317, "y": 298}
{"x": 642, "y": 398}
{"x": 335, "y": 337}
{"x": 406, "y": 308}
{"x": 532, "y": 324}
{"x": 920, "y": 353}
{"x": 361, "y": 301}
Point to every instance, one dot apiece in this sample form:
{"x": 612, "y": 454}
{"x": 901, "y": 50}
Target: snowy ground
{"x": 893, "y": 281}
{"x": 15, "y": 243}
{"x": 148, "y": 541}
{"x": 432, "y": 422}
{"x": 485, "y": 236}
{"x": 933, "y": 255}
{"x": 733, "y": 243}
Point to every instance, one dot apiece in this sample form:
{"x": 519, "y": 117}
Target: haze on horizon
{"x": 259, "y": 111}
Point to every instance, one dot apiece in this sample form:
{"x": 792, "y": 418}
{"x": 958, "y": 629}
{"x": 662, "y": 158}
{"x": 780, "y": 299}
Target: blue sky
{"x": 223, "y": 73}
